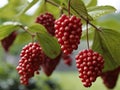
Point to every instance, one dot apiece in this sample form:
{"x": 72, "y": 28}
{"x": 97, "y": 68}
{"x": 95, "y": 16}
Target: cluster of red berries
{"x": 90, "y": 65}
{"x": 110, "y": 78}
{"x": 8, "y": 41}
{"x": 49, "y": 65}
{"x": 30, "y": 62}
{"x": 68, "y": 31}
{"x": 47, "y": 20}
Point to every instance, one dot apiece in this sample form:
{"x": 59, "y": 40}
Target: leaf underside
{"x": 107, "y": 42}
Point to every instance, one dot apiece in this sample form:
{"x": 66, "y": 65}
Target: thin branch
{"x": 26, "y": 29}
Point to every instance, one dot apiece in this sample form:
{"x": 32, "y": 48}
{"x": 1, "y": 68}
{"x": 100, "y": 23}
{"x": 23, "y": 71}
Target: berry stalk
{"x": 87, "y": 35}
{"x": 69, "y": 8}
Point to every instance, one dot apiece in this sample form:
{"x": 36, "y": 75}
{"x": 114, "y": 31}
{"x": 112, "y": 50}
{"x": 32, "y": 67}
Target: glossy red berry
{"x": 8, "y": 41}
{"x": 30, "y": 62}
{"x": 68, "y": 31}
{"x": 47, "y": 20}
{"x": 49, "y": 65}
{"x": 90, "y": 65}
{"x": 110, "y": 78}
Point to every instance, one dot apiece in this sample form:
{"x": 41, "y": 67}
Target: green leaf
{"x": 79, "y": 7}
{"x": 52, "y": 9}
{"x": 49, "y": 45}
{"x": 44, "y": 7}
{"x": 21, "y": 39}
{"x": 37, "y": 28}
{"x": 98, "y": 11}
{"x": 111, "y": 21}
{"x": 5, "y": 30}
{"x": 12, "y": 9}
{"x": 107, "y": 42}
{"x": 28, "y": 6}
{"x": 90, "y": 3}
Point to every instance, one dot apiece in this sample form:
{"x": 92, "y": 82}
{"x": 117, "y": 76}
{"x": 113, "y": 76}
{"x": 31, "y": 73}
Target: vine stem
{"x": 69, "y": 8}
{"x": 87, "y": 35}
{"x": 96, "y": 28}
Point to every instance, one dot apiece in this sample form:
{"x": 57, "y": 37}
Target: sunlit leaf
{"x": 20, "y": 41}
{"x": 37, "y": 28}
{"x": 107, "y": 42}
{"x": 5, "y": 30}
{"x": 111, "y": 21}
{"x": 90, "y": 3}
{"x": 49, "y": 45}
{"x": 98, "y": 11}
{"x": 12, "y": 8}
{"x": 44, "y": 7}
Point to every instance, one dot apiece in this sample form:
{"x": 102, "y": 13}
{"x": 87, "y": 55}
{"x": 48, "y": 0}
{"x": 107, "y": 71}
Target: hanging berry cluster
{"x": 68, "y": 31}
{"x": 49, "y": 65}
{"x": 90, "y": 65}
{"x": 47, "y": 20}
{"x": 30, "y": 62}
{"x": 110, "y": 78}
{"x": 8, "y": 41}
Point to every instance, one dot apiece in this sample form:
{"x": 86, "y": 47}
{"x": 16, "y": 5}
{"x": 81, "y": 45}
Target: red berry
{"x": 30, "y": 62}
{"x": 68, "y": 32}
{"x": 8, "y": 41}
{"x": 47, "y": 20}
{"x": 110, "y": 78}
{"x": 90, "y": 65}
{"x": 49, "y": 65}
